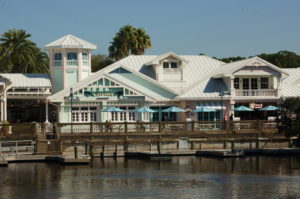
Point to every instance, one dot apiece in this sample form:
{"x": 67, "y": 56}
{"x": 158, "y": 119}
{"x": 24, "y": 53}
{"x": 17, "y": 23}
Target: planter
{"x": 6, "y": 130}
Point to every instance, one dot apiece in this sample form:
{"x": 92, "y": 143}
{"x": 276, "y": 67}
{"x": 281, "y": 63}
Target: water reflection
{"x": 183, "y": 177}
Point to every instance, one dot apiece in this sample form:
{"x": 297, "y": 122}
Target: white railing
{"x": 173, "y": 70}
{"x": 72, "y": 63}
{"x": 85, "y": 62}
{"x": 57, "y": 63}
{"x": 262, "y": 92}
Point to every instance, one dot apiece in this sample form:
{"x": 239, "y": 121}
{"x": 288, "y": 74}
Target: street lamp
{"x": 71, "y": 97}
{"x": 221, "y": 94}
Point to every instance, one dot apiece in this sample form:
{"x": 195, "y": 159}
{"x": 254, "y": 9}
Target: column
{"x": 63, "y": 68}
{"x": 232, "y": 90}
{"x": 278, "y": 86}
{"x": 1, "y": 106}
{"x": 79, "y": 69}
{"x": 232, "y": 103}
{"x": 4, "y": 105}
{"x": 46, "y": 112}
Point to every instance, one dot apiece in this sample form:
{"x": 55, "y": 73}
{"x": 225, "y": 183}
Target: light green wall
{"x": 57, "y": 80}
{"x": 71, "y": 77}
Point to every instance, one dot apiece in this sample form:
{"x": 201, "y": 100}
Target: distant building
{"x": 157, "y": 82}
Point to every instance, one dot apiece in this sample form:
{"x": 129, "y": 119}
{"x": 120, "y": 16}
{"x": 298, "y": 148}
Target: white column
{"x": 1, "y": 106}
{"x": 63, "y": 68}
{"x": 232, "y": 103}
{"x": 46, "y": 112}
{"x": 232, "y": 90}
{"x": 79, "y": 69}
{"x": 278, "y": 86}
{"x": 4, "y": 105}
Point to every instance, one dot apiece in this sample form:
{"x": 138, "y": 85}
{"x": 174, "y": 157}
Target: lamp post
{"x": 221, "y": 94}
{"x": 71, "y": 97}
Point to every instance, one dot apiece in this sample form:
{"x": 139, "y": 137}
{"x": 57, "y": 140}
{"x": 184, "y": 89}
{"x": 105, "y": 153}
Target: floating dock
{"x": 149, "y": 156}
{"x": 221, "y": 153}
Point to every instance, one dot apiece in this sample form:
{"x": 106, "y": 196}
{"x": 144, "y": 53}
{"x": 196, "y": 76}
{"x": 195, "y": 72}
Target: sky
{"x": 217, "y": 28}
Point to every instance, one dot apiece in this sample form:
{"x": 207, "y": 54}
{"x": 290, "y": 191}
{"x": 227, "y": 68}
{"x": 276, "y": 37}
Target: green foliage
{"x": 282, "y": 59}
{"x": 129, "y": 40}
{"x": 232, "y": 59}
{"x": 289, "y": 122}
{"x": 100, "y": 61}
{"x": 18, "y": 54}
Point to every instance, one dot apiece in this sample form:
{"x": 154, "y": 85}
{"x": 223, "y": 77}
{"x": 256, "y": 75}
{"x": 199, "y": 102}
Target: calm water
{"x": 183, "y": 177}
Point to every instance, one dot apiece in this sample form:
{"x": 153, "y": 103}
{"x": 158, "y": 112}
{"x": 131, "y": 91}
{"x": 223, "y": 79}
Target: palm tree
{"x": 142, "y": 41}
{"x": 20, "y": 52}
{"x": 129, "y": 40}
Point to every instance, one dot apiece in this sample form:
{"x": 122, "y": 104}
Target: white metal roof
{"x": 70, "y": 41}
{"x": 228, "y": 69}
{"x": 28, "y": 80}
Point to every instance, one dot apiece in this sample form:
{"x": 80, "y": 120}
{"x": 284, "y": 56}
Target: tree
{"x": 100, "y": 61}
{"x": 21, "y": 55}
{"x": 129, "y": 40}
{"x": 289, "y": 122}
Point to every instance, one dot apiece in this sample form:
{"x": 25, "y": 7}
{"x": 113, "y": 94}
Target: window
{"x": 253, "y": 83}
{"x": 170, "y": 65}
{"x": 131, "y": 115}
{"x": 85, "y": 59}
{"x": 264, "y": 83}
{"x": 166, "y": 64}
{"x": 57, "y": 56}
{"x": 72, "y": 59}
{"x": 173, "y": 65}
{"x": 236, "y": 83}
{"x": 57, "y": 59}
{"x": 84, "y": 114}
{"x": 246, "y": 84}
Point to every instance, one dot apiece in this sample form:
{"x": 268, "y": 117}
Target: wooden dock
{"x": 3, "y": 162}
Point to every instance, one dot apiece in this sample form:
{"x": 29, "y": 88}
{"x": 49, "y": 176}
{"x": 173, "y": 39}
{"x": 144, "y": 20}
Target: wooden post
{"x": 159, "y": 144}
{"x": 91, "y": 151}
{"x": 103, "y": 149}
{"x": 159, "y": 127}
{"x": 116, "y": 151}
{"x": 75, "y": 152}
{"x": 193, "y": 126}
{"x": 91, "y": 128}
{"x": 126, "y": 127}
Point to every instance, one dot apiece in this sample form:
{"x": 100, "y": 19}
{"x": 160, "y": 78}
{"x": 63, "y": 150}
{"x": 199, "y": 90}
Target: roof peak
{"x": 70, "y": 41}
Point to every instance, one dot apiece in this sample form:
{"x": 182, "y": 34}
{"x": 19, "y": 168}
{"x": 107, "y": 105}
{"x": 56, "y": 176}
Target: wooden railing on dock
{"x": 168, "y": 127}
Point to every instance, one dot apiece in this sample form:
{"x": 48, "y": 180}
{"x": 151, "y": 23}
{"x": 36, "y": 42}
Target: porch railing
{"x": 169, "y": 127}
{"x": 261, "y": 92}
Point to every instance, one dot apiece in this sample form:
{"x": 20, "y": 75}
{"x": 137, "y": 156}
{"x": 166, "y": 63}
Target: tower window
{"x": 85, "y": 59}
{"x": 72, "y": 59}
{"x": 166, "y": 65}
{"x": 57, "y": 59}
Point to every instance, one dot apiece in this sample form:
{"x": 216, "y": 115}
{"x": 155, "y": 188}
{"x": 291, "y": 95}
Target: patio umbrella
{"x": 144, "y": 110}
{"x": 269, "y": 108}
{"x": 173, "y": 109}
{"x": 242, "y": 108}
{"x": 204, "y": 109}
{"x": 112, "y": 109}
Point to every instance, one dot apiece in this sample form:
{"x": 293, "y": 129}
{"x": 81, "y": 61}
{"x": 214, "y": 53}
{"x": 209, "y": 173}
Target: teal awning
{"x": 173, "y": 109}
{"x": 112, "y": 109}
{"x": 144, "y": 110}
{"x": 242, "y": 108}
{"x": 269, "y": 108}
{"x": 204, "y": 109}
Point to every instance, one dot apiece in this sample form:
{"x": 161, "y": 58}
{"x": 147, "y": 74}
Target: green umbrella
{"x": 242, "y": 108}
{"x": 112, "y": 109}
{"x": 269, "y": 108}
{"x": 173, "y": 109}
{"x": 144, "y": 110}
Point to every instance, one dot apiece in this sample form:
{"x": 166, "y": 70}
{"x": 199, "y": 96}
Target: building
{"x": 158, "y": 82}
{"x": 166, "y": 80}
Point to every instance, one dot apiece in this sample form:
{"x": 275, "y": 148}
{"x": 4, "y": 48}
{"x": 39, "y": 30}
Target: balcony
{"x": 57, "y": 63}
{"x": 72, "y": 63}
{"x": 258, "y": 92}
{"x": 85, "y": 62}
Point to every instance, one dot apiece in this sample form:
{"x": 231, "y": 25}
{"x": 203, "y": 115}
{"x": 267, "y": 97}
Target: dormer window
{"x": 169, "y": 65}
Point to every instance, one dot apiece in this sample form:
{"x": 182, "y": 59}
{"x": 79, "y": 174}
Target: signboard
{"x": 99, "y": 93}
{"x": 255, "y": 106}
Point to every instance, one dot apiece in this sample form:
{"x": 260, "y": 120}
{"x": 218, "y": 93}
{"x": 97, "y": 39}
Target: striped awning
{"x": 214, "y": 105}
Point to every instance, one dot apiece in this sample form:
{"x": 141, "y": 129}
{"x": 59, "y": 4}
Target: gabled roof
{"x": 28, "y": 80}
{"x": 230, "y": 68}
{"x": 157, "y": 59}
{"x": 70, "y": 41}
